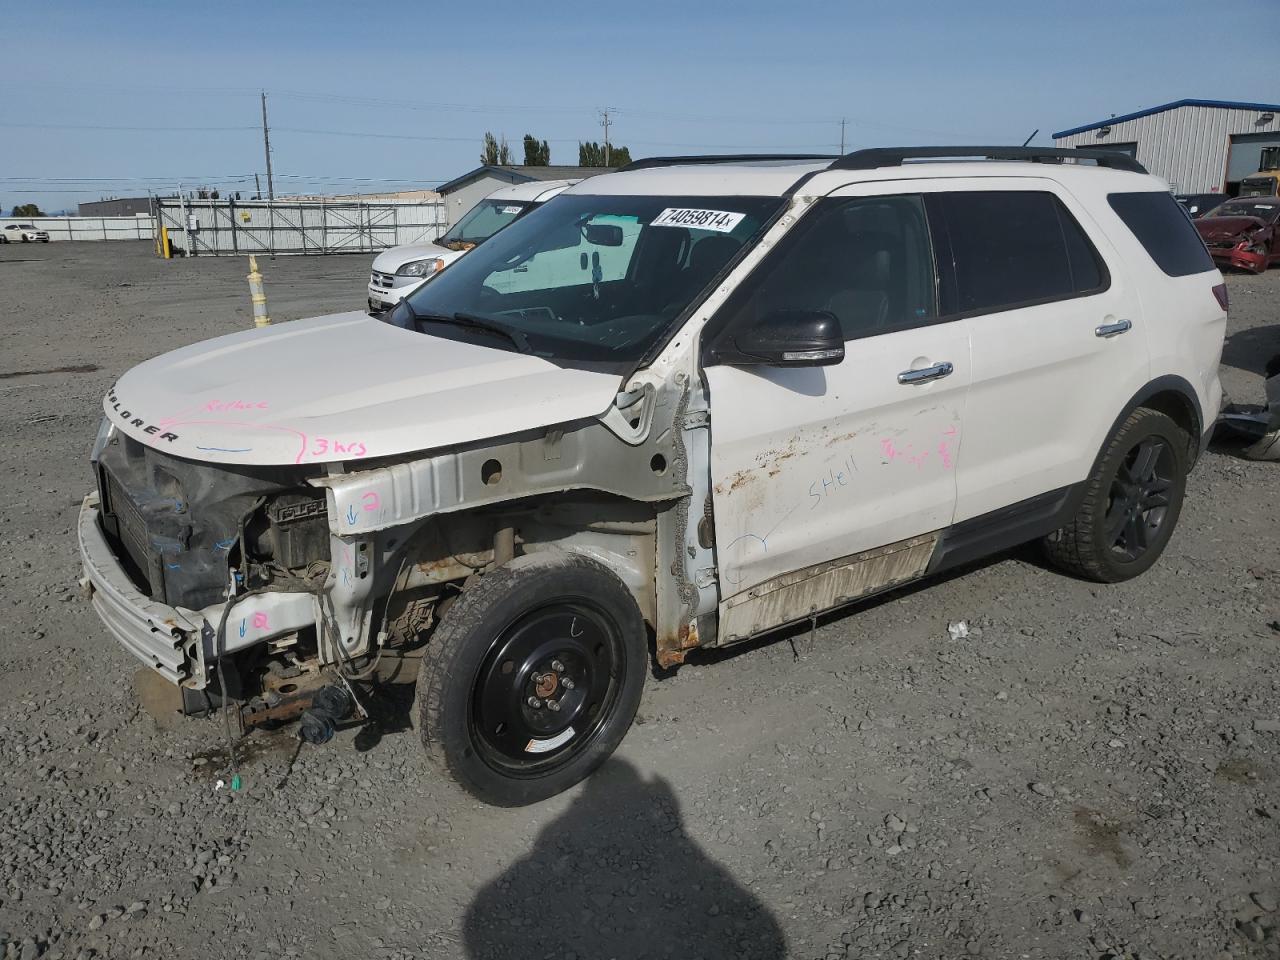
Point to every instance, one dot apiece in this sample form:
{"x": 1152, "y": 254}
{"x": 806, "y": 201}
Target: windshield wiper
{"x": 477, "y": 322}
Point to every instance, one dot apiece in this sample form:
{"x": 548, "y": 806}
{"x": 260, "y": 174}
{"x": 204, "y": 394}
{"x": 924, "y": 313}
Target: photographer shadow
{"x": 617, "y": 876}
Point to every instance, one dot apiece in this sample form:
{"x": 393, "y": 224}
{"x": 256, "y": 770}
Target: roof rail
{"x": 895, "y": 156}
{"x": 648, "y": 162}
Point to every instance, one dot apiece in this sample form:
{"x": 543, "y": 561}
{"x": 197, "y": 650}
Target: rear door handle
{"x": 1113, "y": 329}
{"x": 936, "y": 372}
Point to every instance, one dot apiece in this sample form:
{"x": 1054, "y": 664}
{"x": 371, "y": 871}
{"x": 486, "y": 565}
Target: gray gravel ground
{"x": 1091, "y": 772}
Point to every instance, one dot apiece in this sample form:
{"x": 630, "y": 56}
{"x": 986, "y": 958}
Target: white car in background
{"x": 401, "y": 270}
{"x": 23, "y": 232}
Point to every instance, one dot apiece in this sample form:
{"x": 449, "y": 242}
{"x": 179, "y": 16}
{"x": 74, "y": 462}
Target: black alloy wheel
{"x": 1139, "y": 498}
{"x": 1130, "y": 504}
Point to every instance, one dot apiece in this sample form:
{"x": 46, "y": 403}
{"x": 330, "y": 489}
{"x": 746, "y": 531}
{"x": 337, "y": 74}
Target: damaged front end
{"x": 1240, "y": 242}
{"x": 166, "y": 542}
{"x": 296, "y": 578}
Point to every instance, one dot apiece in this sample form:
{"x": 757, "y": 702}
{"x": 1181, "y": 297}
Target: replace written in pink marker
{"x": 223, "y": 406}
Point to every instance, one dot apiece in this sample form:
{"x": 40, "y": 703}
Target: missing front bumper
{"x": 165, "y": 638}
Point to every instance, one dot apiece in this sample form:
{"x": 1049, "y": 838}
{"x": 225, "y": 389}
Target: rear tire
{"x": 532, "y": 678}
{"x": 1131, "y": 503}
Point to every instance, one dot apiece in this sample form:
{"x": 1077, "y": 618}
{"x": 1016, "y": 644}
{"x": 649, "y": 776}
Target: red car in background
{"x": 1243, "y": 233}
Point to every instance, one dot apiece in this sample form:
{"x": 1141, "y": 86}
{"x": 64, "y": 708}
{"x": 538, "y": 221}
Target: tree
{"x": 26, "y": 210}
{"x": 537, "y": 153}
{"x": 495, "y": 151}
{"x": 592, "y": 155}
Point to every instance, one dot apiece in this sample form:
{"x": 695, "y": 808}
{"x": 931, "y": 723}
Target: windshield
{"x": 482, "y": 221}
{"x": 1247, "y": 208}
{"x": 590, "y": 279}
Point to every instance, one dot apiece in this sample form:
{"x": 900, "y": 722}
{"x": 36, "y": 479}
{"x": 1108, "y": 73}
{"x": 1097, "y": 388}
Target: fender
{"x": 1169, "y": 383}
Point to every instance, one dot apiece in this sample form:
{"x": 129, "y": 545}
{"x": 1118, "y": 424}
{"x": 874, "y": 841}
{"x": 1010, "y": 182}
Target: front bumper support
{"x": 171, "y": 640}
{"x": 165, "y": 638}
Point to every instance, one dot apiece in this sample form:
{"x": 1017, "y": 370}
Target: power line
{"x": 190, "y": 176}
{"x": 313, "y": 96}
{"x": 130, "y": 129}
{"x": 757, "y": 119}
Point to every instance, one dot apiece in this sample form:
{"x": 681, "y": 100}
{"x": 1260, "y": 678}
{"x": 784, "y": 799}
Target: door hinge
{"x": 699, "y": 418}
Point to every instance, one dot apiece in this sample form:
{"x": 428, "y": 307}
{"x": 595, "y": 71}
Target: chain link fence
{"x": 238, "y": 227}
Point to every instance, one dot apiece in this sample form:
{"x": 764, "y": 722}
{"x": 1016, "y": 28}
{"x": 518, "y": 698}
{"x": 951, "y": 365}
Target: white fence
{"x": 86, "y": 228}
{"x": 231, "y": 227}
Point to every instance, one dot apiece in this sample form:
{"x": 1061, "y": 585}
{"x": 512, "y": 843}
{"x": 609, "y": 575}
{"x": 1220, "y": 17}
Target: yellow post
{"x": 260, "y": 318}
{"x": 166, "y": 252}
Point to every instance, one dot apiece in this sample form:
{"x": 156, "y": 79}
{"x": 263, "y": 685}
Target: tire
{"x": 1131, "y": 503}
{"x": 546, "y": 628}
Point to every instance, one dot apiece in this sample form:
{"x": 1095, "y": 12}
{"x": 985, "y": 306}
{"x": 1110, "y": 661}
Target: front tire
{"x": 532, "y": 678}
{"x": 1131, "y": 503}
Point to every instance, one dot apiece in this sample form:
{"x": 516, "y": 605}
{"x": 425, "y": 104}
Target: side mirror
{"x": 604, "y": 234}
{"x": 784, "y": 338}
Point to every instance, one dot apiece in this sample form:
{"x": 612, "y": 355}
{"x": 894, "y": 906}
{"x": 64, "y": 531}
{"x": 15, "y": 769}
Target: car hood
{"x": 389, "y": 261}
{"x": 1227, "y": 226}
{"x": 342, "y": 387}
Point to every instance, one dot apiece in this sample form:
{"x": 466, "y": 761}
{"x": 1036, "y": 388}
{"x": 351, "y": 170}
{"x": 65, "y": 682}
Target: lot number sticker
{"x": 722, "y": 221}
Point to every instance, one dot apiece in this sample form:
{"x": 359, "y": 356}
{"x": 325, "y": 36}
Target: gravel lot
{"x": 1091, "y": 772}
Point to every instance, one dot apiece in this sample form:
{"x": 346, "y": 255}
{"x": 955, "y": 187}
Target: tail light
{"x": 1220, "y": 292}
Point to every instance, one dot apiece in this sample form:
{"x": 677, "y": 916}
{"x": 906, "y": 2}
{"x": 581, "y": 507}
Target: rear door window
{"x": 1011, "y": 249}
{"x": 1164, "y": 230}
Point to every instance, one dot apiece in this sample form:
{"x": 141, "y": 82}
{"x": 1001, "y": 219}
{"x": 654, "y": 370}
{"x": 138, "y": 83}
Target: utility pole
{"x": 604, "y": 122}
{"x": 266, "y": 145}
{"x": 843, "y": 121}
{"x": 257, "y": 187}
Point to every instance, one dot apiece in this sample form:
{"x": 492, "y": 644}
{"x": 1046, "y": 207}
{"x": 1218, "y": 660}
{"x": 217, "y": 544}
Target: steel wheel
{"x": 532, "y": 677}
{"x": 544, "y": 688}
{"x": 1139, "y": 498}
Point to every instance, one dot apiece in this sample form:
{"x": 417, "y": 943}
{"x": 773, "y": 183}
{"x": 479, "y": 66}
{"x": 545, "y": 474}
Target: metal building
{"x": 1198, "y": 146}
{"x": 119, "y": 207}
{"x": 464, "y": 192}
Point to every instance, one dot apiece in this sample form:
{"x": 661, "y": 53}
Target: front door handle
{"x": 924, "y": 375}
{"x": 1113, "y": 329}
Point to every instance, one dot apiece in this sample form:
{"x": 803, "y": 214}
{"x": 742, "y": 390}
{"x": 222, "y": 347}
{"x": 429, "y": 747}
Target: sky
{"x": 123, "y": 97}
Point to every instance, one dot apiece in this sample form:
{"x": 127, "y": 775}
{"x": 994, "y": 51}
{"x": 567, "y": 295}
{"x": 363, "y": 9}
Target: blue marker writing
{"x": 242, "y": 626}
{"x": 351, "y": 515}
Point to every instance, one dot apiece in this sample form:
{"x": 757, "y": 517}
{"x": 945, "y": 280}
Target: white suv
{"x": 401, "y": 270}
{"x": 23, "y": 232}
{"x": 703, "y": 399}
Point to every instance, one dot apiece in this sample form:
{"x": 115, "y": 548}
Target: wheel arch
{"x": 1176, "y": 398}
{"x": 617, "y": 533}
